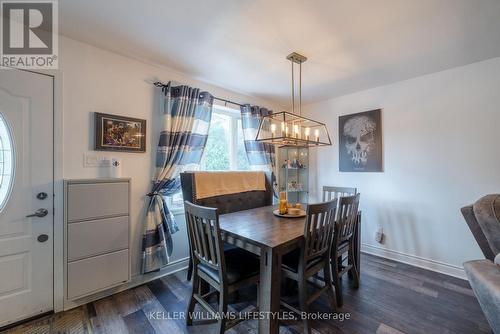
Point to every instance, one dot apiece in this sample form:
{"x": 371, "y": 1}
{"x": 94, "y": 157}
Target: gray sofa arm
{"x": 484, "y": 278}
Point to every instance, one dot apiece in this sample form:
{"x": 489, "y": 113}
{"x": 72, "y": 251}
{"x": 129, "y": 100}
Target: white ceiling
{"x": 242, "y": 44}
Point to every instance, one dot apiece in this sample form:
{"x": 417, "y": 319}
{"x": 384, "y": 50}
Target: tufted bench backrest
{"x": 228, "y": 203}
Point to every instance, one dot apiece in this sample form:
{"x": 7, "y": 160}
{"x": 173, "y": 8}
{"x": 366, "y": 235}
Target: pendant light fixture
{"x": 291, "y": 129}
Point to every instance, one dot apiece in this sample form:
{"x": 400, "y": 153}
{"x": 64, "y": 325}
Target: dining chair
{"x": 224, "y": 271}
{"x": 331, "y": 192}
{"x": 343, "y": 242}
{"x": 312, "y": 257}
{"x": 334, "y": 193}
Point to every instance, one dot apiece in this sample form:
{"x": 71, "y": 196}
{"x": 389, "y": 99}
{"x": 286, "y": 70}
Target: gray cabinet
{"x": 97, "y": 235}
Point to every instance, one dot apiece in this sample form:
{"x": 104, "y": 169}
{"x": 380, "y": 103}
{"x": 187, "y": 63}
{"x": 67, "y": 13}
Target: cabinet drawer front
{"x": 96, "y": 200}
{"x": 97, "y": 273}
{"x": 97, "y": 237}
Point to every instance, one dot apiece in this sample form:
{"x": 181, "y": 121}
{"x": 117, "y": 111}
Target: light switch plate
{"x": 95, "y": 160}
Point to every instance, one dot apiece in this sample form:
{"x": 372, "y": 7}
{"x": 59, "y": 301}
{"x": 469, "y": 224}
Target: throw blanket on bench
{"x": 210, "y": 184}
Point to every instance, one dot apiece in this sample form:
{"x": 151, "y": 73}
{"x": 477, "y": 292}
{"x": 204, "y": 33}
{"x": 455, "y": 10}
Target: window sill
{"x": 177, "y": 211}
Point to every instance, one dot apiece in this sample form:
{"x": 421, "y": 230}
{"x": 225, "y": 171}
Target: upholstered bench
{"x": 226, "y": 203}
{"x": 230, "y": 202}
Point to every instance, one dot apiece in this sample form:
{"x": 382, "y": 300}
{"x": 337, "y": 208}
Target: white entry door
{"x": 26, "y": 195}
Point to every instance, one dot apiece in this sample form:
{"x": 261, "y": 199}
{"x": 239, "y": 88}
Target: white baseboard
{"x": 136, "y": 280}
{"x": 417, "y": 261}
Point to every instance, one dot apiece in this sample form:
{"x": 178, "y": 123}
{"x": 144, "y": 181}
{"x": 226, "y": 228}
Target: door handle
{"x": 39, "y": 213}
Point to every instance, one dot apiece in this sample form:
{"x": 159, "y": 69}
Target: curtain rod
{"x": 161, "y": 84}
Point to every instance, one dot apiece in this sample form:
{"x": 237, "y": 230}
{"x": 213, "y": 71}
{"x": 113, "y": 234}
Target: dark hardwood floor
{"x": 393, "y": 298}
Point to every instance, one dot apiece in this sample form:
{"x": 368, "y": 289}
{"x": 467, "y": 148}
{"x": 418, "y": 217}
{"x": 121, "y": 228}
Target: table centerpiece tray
{"x": 287, "y": 215}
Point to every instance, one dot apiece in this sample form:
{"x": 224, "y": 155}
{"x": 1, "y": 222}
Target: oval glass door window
{"x": 6, "y": 162}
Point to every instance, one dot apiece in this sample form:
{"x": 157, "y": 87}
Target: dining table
{"x": 259, "y": 231}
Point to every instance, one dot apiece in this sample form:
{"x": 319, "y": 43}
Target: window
{"x": 225, "y": 148}
{"x": 6, "y": 163}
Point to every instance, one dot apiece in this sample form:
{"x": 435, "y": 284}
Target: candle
{"x": 307, "y": 133}
{"x": 316, "y": 134}
{"x": 286, "y": 131}
{"x": 273, "y": 129}
{"x": 282, "y": 128}
{"x": 283, "y": 195}
{"x": 296, "y": 130}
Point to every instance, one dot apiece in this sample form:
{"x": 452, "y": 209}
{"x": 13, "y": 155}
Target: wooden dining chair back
{"x": 312, "y": 257}
{"x": 205, "y": 237}
{"x": 346, "y": 218}
{"x": 318, "y": 230}
{"x": 331, "y": 192}
{"x": 224, "y": 271}
{"x": 343, "y": 242}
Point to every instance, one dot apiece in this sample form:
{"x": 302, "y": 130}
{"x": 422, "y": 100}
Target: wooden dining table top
{"x": 261, "y": 227}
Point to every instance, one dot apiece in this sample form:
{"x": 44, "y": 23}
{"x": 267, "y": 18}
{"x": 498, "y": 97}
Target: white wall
{"x": 441, "y": 135}
{"x": 95, "y": 80}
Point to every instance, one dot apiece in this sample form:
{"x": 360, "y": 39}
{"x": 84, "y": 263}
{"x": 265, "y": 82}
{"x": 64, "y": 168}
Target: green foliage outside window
{"x": 241, "y": 158}
{"x": 216, "y": 154}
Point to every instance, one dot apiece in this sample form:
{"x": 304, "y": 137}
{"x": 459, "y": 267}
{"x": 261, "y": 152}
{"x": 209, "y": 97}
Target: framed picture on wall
{"x": 360, "y": 142}
{"x": 119, "y": 133}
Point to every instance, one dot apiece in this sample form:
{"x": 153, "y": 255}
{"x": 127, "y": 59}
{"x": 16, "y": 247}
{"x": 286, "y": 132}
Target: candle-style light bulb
{"x": 273, "y": 129}
{"x": 296, "y": 130}
{"x": 286, "y": 131}
{"x": 316, "y": 134}
{"x": 307, "y": 131}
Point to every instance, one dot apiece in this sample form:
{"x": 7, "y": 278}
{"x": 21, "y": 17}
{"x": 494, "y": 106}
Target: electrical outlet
{"x": 379, "y": 235}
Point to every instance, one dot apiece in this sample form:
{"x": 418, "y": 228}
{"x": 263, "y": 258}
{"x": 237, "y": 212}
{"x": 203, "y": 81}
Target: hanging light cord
{"x": 300, "y": 89}
{"x": 293, "y": 90}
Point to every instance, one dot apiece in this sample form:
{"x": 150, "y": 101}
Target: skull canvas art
{"x": 360, "y": 142}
